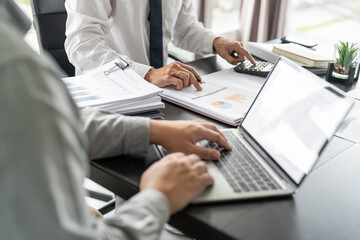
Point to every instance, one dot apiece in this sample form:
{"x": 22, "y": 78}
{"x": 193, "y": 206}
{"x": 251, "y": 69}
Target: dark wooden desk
{"x": 326, "y": 206}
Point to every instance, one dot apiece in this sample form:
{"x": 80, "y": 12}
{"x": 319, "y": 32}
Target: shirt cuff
{"x": 156, "y": 202}
{"x": 140, "y": 69}
{"x": 209, "y": 42}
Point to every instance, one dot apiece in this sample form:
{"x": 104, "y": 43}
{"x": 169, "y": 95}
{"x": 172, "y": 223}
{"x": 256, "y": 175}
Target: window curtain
{"x": 262, "y": 20}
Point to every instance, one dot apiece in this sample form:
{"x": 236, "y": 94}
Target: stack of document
{"x": 226, "y": 95}
{"x": 119, "y": 90}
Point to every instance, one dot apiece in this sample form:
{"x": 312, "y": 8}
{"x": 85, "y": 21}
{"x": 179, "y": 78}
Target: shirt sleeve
{"x": 189, "y": 33}
{"x": 141, "y": 217}
{"x": 88, "y": 22}
{"x": 43, "y": 158}
{"x": 113, "y": 134}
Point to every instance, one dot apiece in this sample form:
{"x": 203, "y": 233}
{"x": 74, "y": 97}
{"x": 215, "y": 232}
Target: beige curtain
{"x": 262, "y": 20}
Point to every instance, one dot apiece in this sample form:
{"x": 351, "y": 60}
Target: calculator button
{"x": 268, "y": 67}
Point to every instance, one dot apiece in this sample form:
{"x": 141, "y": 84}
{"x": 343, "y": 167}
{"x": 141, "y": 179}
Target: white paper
{"x": 120, "y": 91}
{"x": 190, "y": 92}
{"x": 226, "y": 95}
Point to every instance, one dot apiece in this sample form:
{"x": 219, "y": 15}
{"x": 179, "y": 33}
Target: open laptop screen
{"x": 294, "y": 116}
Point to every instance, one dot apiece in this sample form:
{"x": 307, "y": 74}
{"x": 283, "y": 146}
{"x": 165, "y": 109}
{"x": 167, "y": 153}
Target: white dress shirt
{"x": 100, "y": 30}
{"x": 45, "y": 146}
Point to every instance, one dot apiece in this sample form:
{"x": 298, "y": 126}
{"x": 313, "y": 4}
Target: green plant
{"x": 347, "y": 53}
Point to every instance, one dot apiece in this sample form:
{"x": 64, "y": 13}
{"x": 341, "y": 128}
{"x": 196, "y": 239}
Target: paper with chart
{"x": 226, "y": 95}
{"x": 121, "y": 91}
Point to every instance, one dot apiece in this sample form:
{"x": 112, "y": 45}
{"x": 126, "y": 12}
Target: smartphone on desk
{"x": 262, "y": 68}
{"x": 298, "y": 40}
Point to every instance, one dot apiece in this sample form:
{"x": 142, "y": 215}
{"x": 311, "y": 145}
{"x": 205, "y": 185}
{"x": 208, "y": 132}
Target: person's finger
{"x": 214, "y": 136}
{"x": 213, "y": 127}
{"x": 206, "y": 179}
{"x": 237, "y": 56}
{"x": 183, "y": 75}
{"x": 228, "y": 57}
{"x": 206, "y": 153}
{"x": 241, "y": 50}
{"x": 195, "y": 82}
{"x": 178, "y": 83}
{"x": 210, "y": 126}
{"x": 171, "y": 156}
{"x": 192, "y": 159}
{"x": 192, "y": 76}
{"x": 240, "y": 58}
{"x": 191, "y": 69}
{"x": 250, "y": 57}
{"x": 199, "y": 120}
{"x": 200, "y": 167}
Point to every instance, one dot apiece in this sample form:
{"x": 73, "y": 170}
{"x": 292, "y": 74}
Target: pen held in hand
{"x": 199, "y": 80}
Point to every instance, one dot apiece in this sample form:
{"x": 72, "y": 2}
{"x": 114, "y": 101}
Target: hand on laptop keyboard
{"x": 240, "y": 170}
{"x": 214, "y": 145}
{"x": 181, "y": 136}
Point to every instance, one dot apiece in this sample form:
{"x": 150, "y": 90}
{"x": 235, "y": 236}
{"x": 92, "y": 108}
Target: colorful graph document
{"x": 121, "y": 91}
{"x": 226, "y": 95}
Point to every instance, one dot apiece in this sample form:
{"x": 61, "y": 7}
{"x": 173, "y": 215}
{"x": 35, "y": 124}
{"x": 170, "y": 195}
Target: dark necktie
{"x": 156, "y": 44}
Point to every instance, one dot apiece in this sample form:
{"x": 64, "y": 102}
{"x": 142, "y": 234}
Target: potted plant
{"x": 346, "y": 63}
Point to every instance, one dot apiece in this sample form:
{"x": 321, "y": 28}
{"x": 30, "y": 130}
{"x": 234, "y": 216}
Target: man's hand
{"x": 182, "y": 136}
{"x": 232, "y": 51}
{"x": 177, "y": 74}
{"x": 180, "y": 178}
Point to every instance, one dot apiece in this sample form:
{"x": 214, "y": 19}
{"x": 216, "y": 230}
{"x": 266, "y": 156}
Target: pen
{"x": 199, "y": 80}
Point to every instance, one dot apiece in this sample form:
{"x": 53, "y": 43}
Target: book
{"x": 302, "y": 54}
{"x": 115, "y": 88}
{"x": 226, "y": 96}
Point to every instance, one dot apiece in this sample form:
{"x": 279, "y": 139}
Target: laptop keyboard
{"x": 241, "y": 170}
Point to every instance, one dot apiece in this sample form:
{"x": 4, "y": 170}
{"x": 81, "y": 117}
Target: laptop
{"x": 278, "y": 142}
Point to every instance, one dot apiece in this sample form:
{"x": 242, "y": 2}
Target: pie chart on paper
{"x": 222, "y": 105}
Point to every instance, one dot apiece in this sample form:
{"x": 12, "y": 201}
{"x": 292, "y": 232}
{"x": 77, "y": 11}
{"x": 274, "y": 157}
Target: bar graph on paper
{"x": 79, "y": 93}
{"x": 237, "y": 98}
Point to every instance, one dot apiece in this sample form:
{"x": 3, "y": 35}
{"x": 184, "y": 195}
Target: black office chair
{"x": 49, "y": 22}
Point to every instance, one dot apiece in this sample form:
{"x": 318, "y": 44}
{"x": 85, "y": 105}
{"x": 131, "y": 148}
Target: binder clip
{"x": 120, "y": 64}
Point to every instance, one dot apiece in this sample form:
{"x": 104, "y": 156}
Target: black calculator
{"x": 261, "y": 69}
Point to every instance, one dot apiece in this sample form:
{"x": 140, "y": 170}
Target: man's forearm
{"x": 113, "y": 134}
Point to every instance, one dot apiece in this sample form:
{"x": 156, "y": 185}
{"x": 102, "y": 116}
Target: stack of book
{"x": 301, "y": 54}
{"x": 308, "y": 58}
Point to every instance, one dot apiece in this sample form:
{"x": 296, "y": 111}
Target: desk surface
{"x": 326, "y": 205}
